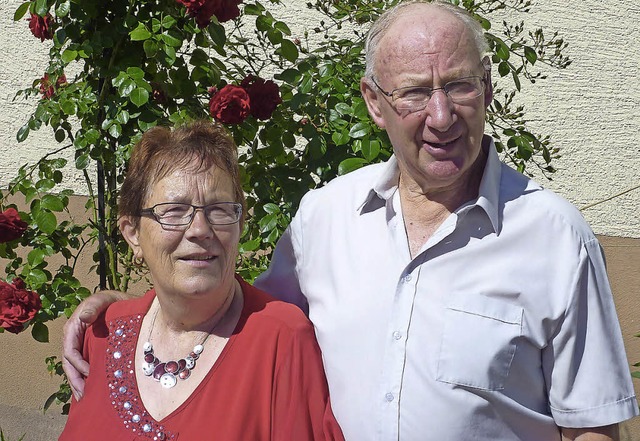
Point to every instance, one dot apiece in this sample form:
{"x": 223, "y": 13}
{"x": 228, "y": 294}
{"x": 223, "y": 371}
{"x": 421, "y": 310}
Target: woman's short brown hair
{"x": 161, "y": 151}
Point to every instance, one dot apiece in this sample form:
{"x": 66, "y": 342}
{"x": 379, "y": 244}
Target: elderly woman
{"x": 203, "y": 355}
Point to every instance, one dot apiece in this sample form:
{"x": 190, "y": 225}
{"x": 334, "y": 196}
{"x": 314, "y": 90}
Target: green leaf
{"x": 140, "y": 33}
{"x": 530, "y": 55}
{"x": 150, "y": 48}
{"x": 135, "y": 72}
{"x": 502, "y": 50}
{"x": 126, "y": 87}
{"x": 503, "y": 68}
{"x": 139, "y": 96}
{"x": 371, "y": 149}
{"x": 69, "y": 55}
{"x": 41, "y": 8}
{"x": 63, "y": 8}
{"x": 115, "y": 130}
{"x": 359, "y": 130}
{"x": 172, "y": 39}
{"x": 22, "y": 9}
{"x": 52, "y": 202}
{"x": 271, "y": 208}
{"x": 123, "y": 117}
{"x": 168, "y": 21}
{"x": 46, "y": 221}
{"x": 350, "y": 164}
{"x": 35, "y": 257}
{"x": 23, "y": 133}
{"x": 40, "y": 332}
{"x": 340, "y": 138}
{"x": 69, "y": 107}
{"x": 289, "y": 50}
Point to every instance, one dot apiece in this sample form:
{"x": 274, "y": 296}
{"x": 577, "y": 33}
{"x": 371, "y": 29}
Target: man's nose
{"x": 440, "y": 113}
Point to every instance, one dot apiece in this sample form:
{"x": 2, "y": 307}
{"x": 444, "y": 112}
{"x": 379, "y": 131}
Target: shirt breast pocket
{"x": 479, "y": 342}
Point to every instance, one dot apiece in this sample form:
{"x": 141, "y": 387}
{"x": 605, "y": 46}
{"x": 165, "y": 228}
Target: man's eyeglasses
{"x": 173, "y": 214}
{"x": 415, "y": 98}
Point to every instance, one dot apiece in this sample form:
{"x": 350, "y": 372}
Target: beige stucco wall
{"x": 591, "y": 109}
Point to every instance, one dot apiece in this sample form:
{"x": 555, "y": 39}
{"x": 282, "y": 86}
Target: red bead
{"x": 159, "y": 371}
{"x": 149, "y": 357}
{"x": 184, "y": 374}
{"x": 171, "y": 367}
{"x": 194, "y": 355}
{"x": 182, "y": 364}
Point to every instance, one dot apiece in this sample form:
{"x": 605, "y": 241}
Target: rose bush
{"x": 18, "y": 305}
{"x": 11, "y": 226}
{"x": 203, "y": 10}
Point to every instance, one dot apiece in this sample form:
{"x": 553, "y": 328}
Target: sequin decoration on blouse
{"x": 123, "y": 391}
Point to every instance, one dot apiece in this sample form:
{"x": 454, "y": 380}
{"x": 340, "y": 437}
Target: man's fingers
{"x": 76, "y": 380}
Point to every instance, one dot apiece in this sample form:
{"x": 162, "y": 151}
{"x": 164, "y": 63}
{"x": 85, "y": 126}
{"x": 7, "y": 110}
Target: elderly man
{"x": 453, "y": 298}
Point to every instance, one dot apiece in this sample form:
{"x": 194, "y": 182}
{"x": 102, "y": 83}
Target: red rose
{"x": 11, "y": 226}
{"x": 230, "y": 105}
{"x": 264, "y": 96}
{"x": 47, "y": 88}
{"x": 203, "y": 10}
{"x": 17, "y": 305}
{"x": 41, "y": 26}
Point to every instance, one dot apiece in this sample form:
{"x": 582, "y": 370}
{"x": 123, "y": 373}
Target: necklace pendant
{"x": 168, "y": 380}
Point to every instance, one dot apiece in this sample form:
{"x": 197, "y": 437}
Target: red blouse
{"x": 267, "y": 384}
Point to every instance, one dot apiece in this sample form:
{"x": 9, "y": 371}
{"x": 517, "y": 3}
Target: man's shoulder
{"x": 541, "y": 204}
{"x": 352, "y": 187}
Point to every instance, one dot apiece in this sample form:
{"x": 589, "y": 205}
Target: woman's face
{"x": 192, "y": 262}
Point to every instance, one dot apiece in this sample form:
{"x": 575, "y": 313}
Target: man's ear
{"x": 129, "y": 230}
{"x": 372, "y": 100}
{"x": 488, "y": 90}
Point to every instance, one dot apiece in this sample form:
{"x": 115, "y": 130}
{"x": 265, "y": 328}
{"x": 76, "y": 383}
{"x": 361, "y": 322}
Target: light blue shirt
{"x": 503, "y": 327}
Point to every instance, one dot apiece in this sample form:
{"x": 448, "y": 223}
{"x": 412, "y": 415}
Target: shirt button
{"x": 388, "y": 396}
{"x": 397, "y": 335}
{"x": 407, "y": 278}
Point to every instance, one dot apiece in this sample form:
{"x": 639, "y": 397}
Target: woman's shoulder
{"x": 136, "y": 305}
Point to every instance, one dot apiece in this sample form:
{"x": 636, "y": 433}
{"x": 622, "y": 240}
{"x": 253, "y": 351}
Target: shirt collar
{"x": 488, "y": 194}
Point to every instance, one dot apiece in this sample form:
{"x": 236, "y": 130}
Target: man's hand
{"x": 86, "y": 313}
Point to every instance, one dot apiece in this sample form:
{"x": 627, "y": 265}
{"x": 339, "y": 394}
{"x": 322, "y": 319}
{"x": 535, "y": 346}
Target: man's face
{"x": 436, "y": 147}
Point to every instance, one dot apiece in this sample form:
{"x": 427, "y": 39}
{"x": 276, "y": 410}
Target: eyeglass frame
{"x": 151, "y": 212}
{"x": 482, "y": 78}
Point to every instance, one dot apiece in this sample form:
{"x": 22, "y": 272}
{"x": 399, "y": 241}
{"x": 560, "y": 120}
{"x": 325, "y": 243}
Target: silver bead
{"x": 148, "y": 368}
{"x": 123, "y": 389}
{"x": 127, "y": 405}
{"x": 117, "y": 355}
{"x": 146, "y": 428}
{"x": 190, "y": 362}
{"x": 135, "y": 419}
{"x": 119, "y": 332}
{"x": 198, "y": 349}
{"x": 147, "y": 347}
{"x": 118, "y": 373}
{"x": 168, "y": 381}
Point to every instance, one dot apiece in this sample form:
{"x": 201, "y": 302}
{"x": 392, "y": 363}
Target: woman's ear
{"x": 129, "y": 230}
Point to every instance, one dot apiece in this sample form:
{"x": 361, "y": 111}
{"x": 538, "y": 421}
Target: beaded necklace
{"x": 168, "y": 373}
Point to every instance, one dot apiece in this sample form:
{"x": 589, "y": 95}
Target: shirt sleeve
{"x": 587, "y": 372}
{"x": 281, "y": 278}
{"x": 301, "y": 406}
